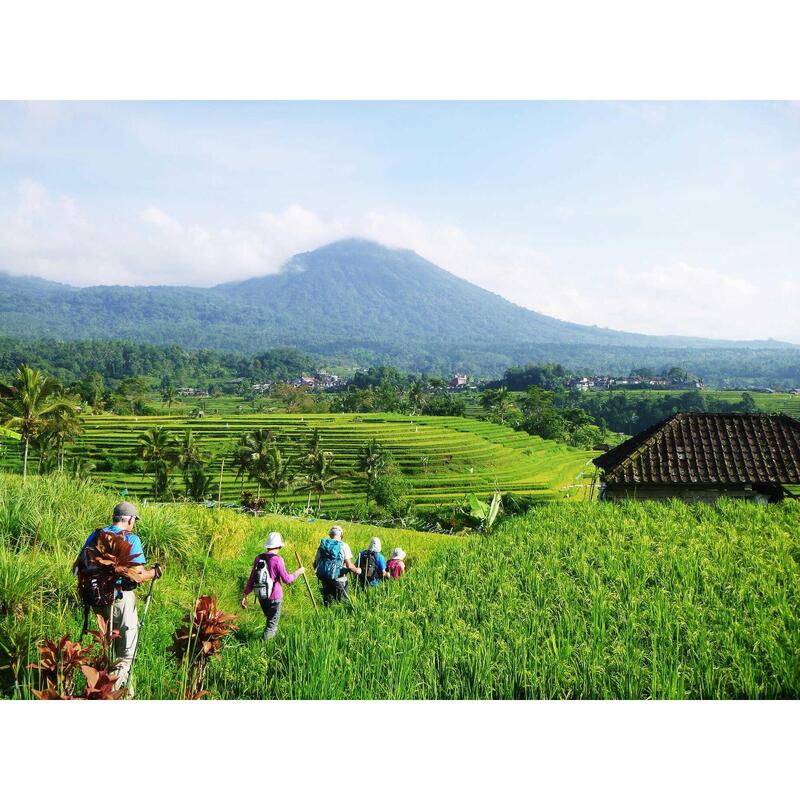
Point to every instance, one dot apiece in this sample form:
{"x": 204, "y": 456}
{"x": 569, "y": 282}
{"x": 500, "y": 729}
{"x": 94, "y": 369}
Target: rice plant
{"x": 571, "y": 600}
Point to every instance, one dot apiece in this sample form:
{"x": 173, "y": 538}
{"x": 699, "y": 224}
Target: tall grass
{"x": 573, "y": 600}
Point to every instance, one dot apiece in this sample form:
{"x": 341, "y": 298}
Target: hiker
{"x": 396, "y": 565}
{"x": 122, "y": 610}
{"x": 266, "y": 577}
{"x": 332, "y": 562}
{"x": 372, "y": 564}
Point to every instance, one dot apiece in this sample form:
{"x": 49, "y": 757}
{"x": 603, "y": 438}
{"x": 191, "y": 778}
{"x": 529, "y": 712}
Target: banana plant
{"x": 483, "y": 515}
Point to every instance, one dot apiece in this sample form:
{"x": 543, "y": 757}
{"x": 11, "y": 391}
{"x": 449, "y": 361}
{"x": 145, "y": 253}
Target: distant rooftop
{"x": 707, "y": 448}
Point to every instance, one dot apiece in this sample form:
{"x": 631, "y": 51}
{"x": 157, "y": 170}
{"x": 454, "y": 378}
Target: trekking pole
{"x": 141, "y": 625}
{"x": 308, "y": 585}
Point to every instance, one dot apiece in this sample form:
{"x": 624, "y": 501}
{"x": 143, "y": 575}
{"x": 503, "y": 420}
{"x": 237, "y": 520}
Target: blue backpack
{"x": 331, "y": 559}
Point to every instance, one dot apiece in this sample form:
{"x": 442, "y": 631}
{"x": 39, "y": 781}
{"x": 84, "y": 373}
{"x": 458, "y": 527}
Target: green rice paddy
{"x": 442, "y": 458}
{"x": 574, "y": 600}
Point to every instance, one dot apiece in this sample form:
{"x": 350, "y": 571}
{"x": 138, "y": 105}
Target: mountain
{"x": 352, "y": 296}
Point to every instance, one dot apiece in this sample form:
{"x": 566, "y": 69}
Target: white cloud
{"x": 50, "y": 236}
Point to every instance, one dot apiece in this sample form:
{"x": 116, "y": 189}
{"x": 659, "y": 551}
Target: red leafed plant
{"x": 115, "y": 553}
{"x": 60, "y": 660}
{"x": 198, "y": 640}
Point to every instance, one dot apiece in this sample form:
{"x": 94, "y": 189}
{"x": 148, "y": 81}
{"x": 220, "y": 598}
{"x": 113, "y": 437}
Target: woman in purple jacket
{"x": 266, "y": 577}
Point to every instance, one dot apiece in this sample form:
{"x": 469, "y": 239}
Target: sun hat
{"x": 125, "y": 509}
{"x": 398, "y": 553}
{"x": 375, "y": 545}
{"x": 336, "y": 530}
{"x": 274, "y": 541}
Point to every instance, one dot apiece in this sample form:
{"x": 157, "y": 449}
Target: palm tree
{"x": 252, "y": 455}
{"x": 199, "y": 484}
{"x": 371, "y": 460}
{"x": 157, "y": 447}
{"x": 499, "y": 404}
{"x": 279, "y": 474}
{"x": 29, "y": 403}
{"x": 190, "y": 454}
{"x": 314, "y": 448}
{"x": 62, "y": 427}
{"x": 320, "y": 477}
{"x": 416, "y": 397}
{"x": 169, "y": 396}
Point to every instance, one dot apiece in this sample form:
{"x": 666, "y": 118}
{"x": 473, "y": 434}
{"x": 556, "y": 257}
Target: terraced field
{"x": 443, "y": 458}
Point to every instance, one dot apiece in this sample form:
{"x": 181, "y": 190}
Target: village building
{"x": 701, "y": 457}
{"x": 458, "y": 381}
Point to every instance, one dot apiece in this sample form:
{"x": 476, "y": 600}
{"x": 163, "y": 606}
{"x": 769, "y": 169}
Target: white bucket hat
{"x": 274, "y": 540}
{"x": 336, "y": 530}
{"x": 398, "y": 553}
{"x": 375, "y": 544}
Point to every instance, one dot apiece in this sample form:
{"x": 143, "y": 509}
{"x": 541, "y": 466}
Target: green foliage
{"x": 351, "y": 300}
{"x": 637, "y": 600}
{"x": 23, "y": 578}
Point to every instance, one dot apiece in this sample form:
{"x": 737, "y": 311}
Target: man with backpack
{"x": 372, "y": 564}
{"x": 118, "y": 604}
{"x": 266, "y": 577}
{"x": 333, "y": 561}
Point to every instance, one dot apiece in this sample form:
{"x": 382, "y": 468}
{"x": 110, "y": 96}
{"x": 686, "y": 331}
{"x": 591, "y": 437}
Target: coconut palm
{"x": 29, "y": 403}
{"x": 199, "y": 484}
{"x": 158, "y": 449}
{"x": 416, "y": 397}
{"x": 372, "y": 461}
{"x": 320, "y": 477}
{"x": 279, "y": 475}
{"x": 252, "y": 455}
{"x": 62, "y": 427}
{"x": 190, "y": 454}
{"x": 169, "y": 396}
{"x": 500, "y": 405}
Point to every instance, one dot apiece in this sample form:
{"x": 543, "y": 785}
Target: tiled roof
{"x": 700, "y": 448}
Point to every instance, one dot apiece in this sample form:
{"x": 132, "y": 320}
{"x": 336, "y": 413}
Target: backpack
{"x": 96, "y": 583}
{"x": 395, "y": 568}
{"x": 369, "y": 567}
{"x": 264, "y": 584}
{"x": 331, "y": 560}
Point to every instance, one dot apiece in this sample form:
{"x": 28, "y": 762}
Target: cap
{"x": 375, "y": 544}
{"x": 125, "y": 510}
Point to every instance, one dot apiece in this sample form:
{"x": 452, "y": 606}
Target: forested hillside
{"x": 360, "y": 302}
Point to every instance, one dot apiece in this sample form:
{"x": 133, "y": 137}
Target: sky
{"x": 662, "y": 218}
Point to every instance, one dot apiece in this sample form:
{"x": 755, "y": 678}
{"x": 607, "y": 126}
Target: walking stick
{"x": 308, "y": 585}
{"x": 141, "y": 625}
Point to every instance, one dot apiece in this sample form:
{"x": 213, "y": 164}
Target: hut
{"x": 700, "y": 457}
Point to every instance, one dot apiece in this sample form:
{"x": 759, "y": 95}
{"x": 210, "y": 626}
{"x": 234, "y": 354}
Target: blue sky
{"x": 654, "y": 217}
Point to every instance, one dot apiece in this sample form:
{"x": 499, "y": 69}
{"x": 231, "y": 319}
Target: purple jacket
{"x": 278, "y": 573}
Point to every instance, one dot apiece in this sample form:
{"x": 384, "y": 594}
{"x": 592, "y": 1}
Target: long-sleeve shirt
{"x": 278, "y": 573}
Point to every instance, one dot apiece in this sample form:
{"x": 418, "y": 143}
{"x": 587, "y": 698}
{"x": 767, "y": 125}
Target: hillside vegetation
{"x": 571, "y": 601}
{"x": 358, "y": 300}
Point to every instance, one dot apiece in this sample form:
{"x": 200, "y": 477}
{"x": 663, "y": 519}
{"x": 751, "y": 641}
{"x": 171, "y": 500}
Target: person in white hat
{"x": 372, "y": 564}
{"x": 396, "y": 565}
{"x": 266, "y": 577}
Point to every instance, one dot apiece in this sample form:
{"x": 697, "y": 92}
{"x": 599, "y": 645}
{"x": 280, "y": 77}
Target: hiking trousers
{"x": 125, "y": 620}
{"x": 272, "y": 611}
{"x": 333, "y": 591}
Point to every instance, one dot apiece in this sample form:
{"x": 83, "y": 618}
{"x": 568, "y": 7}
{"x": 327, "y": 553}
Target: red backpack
{"x": 395, "y": 568}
